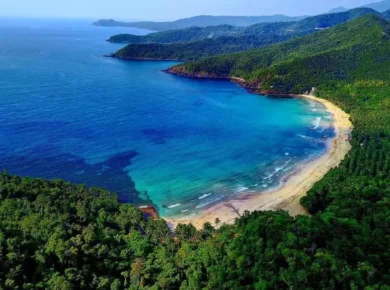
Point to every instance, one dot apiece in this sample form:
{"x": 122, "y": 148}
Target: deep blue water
{"x": 180, "y": 144}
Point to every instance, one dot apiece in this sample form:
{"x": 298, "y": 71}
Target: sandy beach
{"x": 288, "y": 195}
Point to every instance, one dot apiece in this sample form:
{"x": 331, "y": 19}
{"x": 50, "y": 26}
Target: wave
{"x": 184, "y": 210}
{"x": 173, "y": 205}
{"x": 316, "y": 123}
{"x": 290, "y": 167}
{"x": 241, "y": 189}
{"x": 277, "y": 169}
{"x": 308, "y": 138}
{"x": 204, "y": 196}
{"x": 209, "y": 202}
{"x": 312, "y": 104}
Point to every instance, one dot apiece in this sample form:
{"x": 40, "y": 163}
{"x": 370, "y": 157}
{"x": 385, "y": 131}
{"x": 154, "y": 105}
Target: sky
{"x": 166, "y": 9}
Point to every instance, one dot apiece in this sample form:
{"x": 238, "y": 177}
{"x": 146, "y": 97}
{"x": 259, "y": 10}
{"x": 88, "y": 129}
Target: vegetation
{"x": 197, "y": 49}
{"x": 178, "y": 35}
{"x": 194, "y": 43}
{"x": 199, "y": 21}
{"x": 303, "y": 57}
{"x": 54, "y": 235}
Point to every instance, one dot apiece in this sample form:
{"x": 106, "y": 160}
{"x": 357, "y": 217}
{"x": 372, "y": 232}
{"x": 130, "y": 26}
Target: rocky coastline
{"x": 253, "y": 87}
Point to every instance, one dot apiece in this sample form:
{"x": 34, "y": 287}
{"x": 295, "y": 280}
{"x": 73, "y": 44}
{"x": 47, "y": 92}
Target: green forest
{"x": 55, "y": 235}
{"x": 197, "y": 42}
{"x": 196, "y": 49}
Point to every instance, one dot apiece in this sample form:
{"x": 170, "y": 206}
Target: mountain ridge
{"x": 194, "y": 43}
{"x": 200, "y": 21}
{"x": 380, "y": 6}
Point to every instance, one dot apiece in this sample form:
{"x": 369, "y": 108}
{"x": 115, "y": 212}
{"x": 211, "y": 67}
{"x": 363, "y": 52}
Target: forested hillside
{"x": 340, "y": 44}
{"x": 194, "y": 43}
{"x": 178, "y": 35}
{"x": 54, "y": 235}
{"x": 196, "y": 49}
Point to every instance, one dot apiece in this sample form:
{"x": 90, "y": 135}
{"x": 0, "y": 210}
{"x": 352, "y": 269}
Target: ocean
{"x": 178, "y": 144}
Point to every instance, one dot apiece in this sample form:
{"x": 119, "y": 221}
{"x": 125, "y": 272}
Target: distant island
{"x": 196, "y": 42}
{"x": 199, "y": 21}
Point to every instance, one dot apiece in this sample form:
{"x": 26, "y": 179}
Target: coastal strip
{"x": 296, "y": 185}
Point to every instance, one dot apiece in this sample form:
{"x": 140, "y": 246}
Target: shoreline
{"x": 288, "y": 195}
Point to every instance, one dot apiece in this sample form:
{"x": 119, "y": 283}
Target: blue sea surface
{"x": 153, "y": 138}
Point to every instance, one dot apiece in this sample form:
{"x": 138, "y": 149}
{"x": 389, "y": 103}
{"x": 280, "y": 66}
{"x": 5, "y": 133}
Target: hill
{"x": 199, "y": 21}
{"x": 275, "y": 28}
{"x": 253, "y": 64}
{"x": 196, "y": 49}
{"x": 178, "y": 35}
{"x": 386, "y": 15}
{"x": 338, "y": 10}
{"x": 381, "y": 6}
{"x": 194, "y": 43}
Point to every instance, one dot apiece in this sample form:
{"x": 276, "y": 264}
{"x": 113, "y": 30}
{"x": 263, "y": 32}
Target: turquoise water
{"x": 153, "y": 138}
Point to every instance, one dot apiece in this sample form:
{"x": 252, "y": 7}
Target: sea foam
{"x": 204, "y": 196}
{"x": 277, "y": 169}
{"x": 174, "y": 205}
{"x": 209, "y": 202}
{"x": 240, "y": 189}
{"x": 316, "y": 123}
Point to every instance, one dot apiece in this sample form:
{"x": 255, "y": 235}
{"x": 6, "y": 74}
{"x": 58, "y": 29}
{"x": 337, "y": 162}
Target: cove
{"x": 179, "y": 144}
